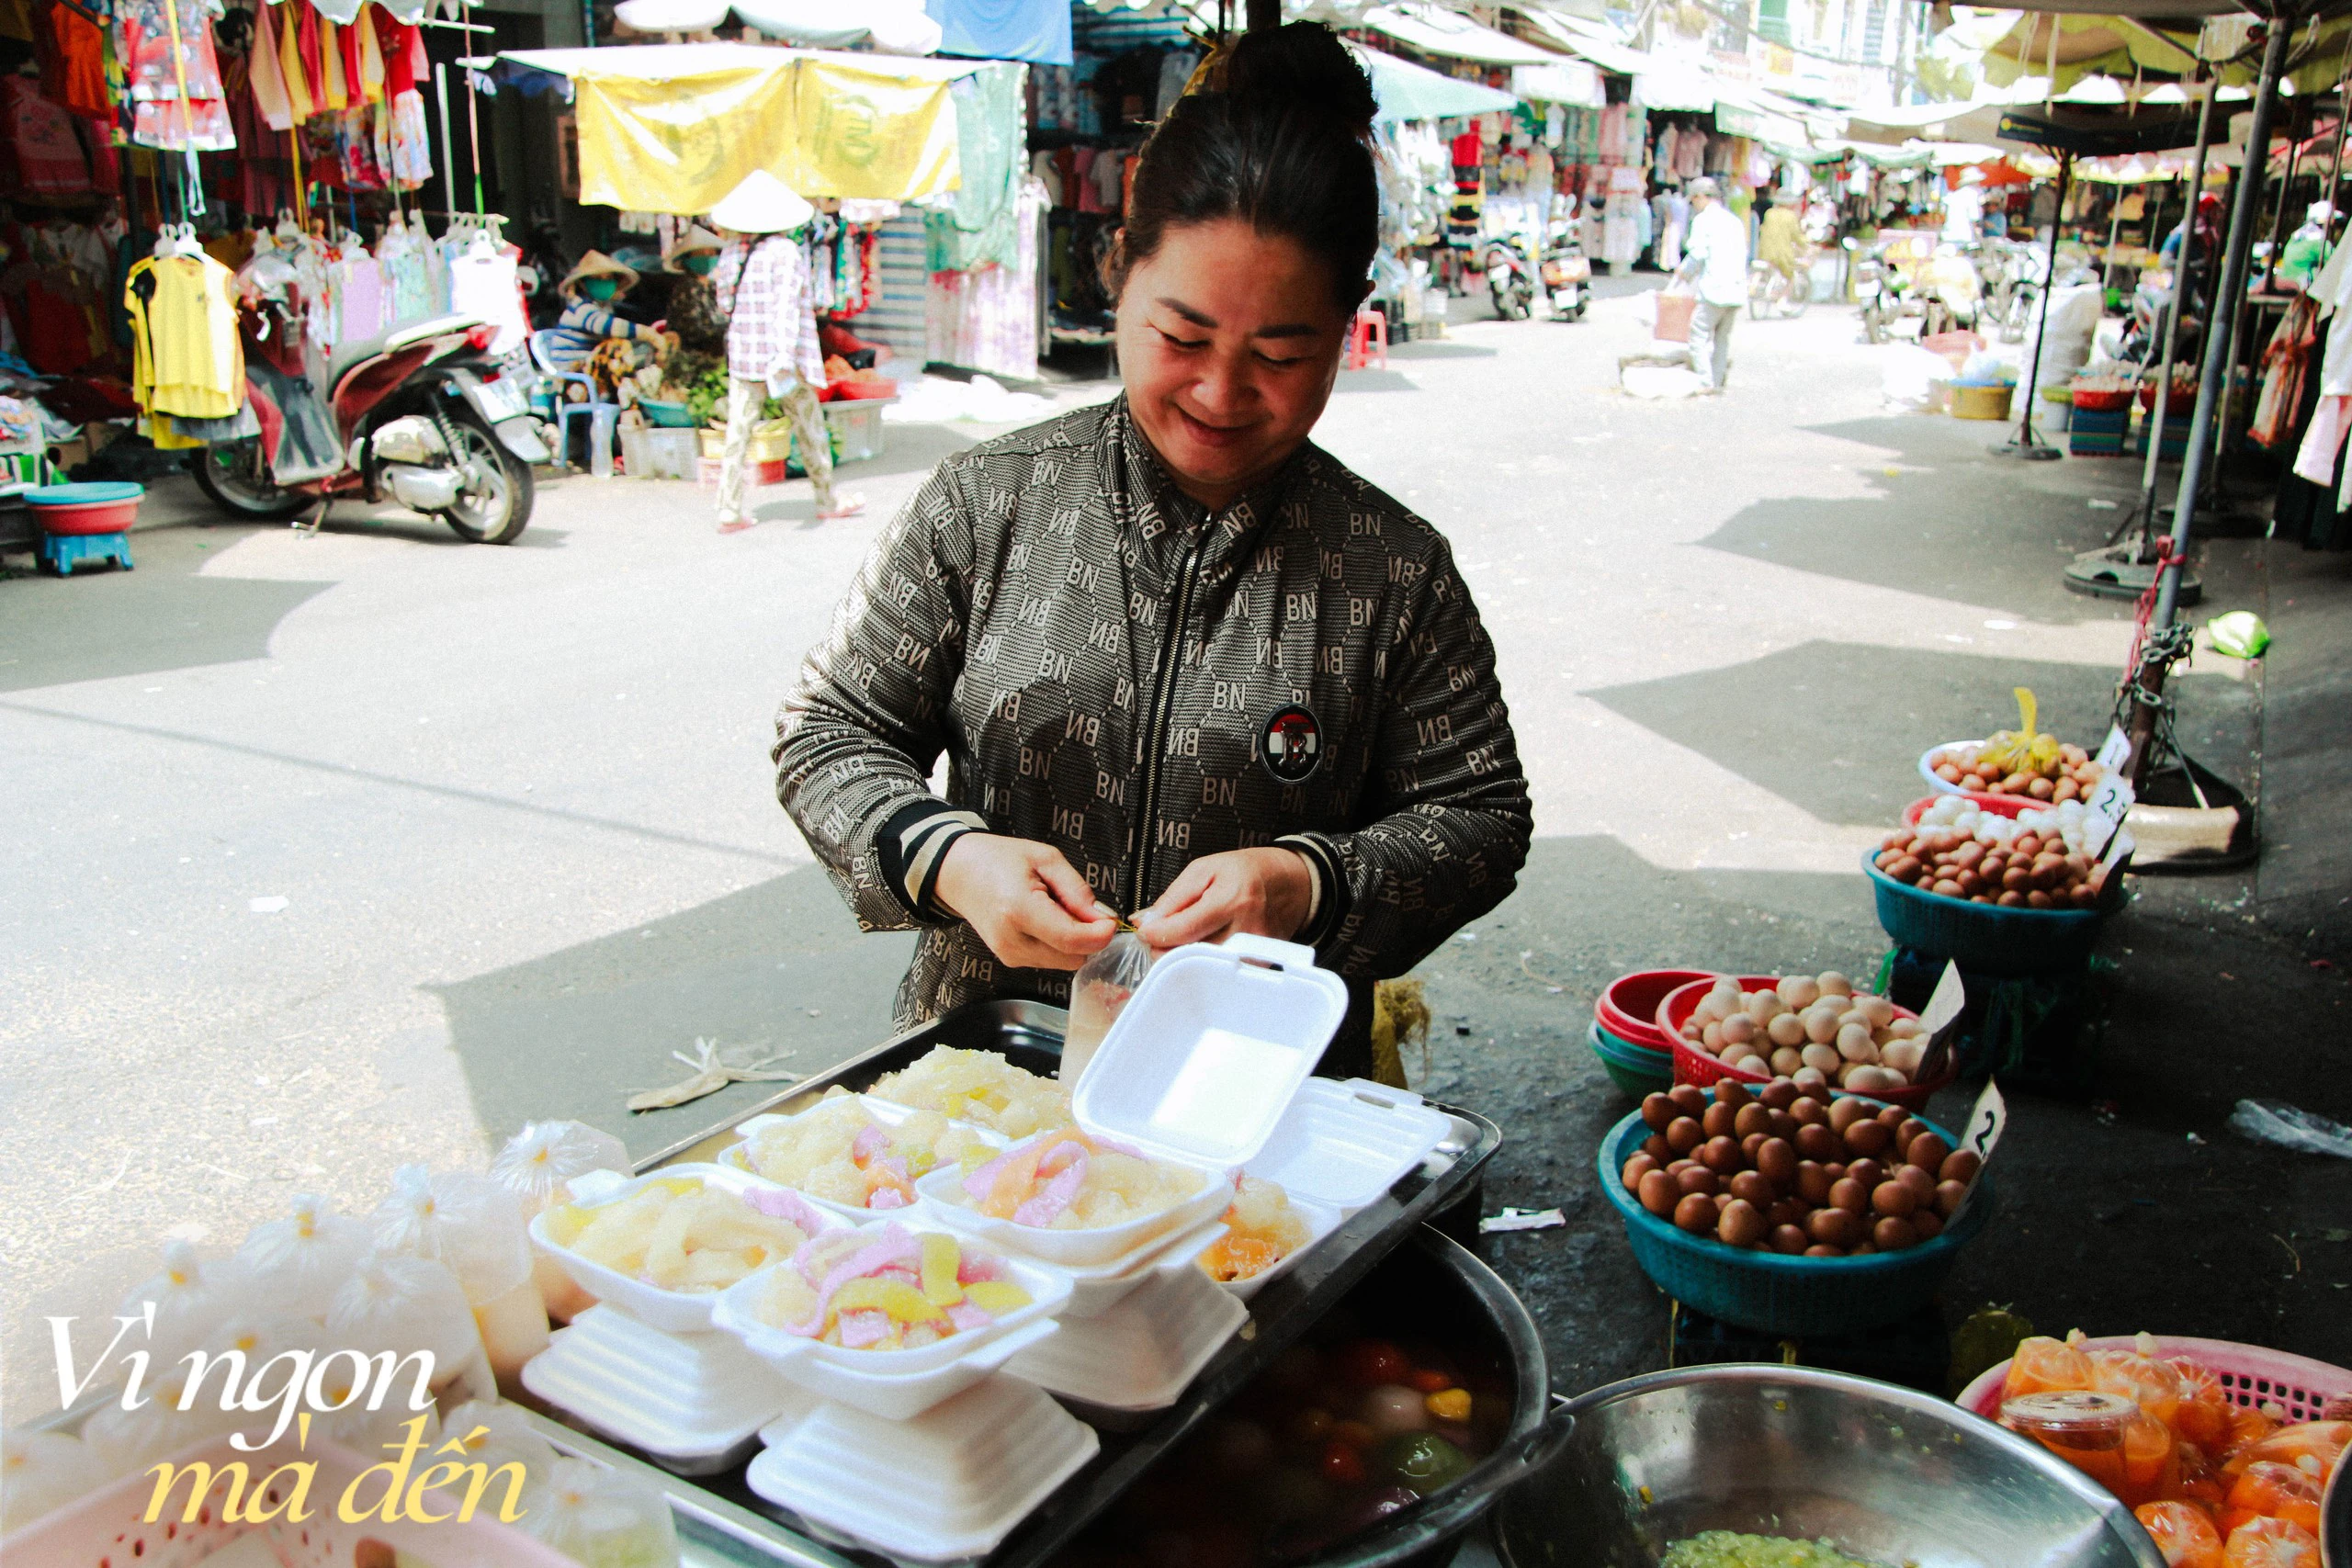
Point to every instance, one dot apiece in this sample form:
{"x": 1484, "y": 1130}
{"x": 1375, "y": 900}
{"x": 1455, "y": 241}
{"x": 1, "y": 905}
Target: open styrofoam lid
{"x": 1204, "y": 1060}
{"x": 1346, "y": 1144}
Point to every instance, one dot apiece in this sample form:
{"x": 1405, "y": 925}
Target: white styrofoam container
{"x": 672, "y": 1311}
{"x": 1204, "y": 1058}
{"x": 1139, "y": 1354}
{"x": 947, "y": 1485}
{"x": 1116, "y": 1247}
{"x": 1345, "y": 1144}
{"x": 1321, "y": 1219}
{"x": 900, "y": 1382}
{"x": 1097, "y": 1289}
{"x": 691, "y": 1401}
{"x": 737, "y": 1156}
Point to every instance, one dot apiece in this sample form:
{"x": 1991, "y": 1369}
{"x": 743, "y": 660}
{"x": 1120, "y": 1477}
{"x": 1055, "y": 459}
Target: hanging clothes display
{"x": 171, "y": 75}
{"x": 41, "y": 136}
{"x": 2286, "y": 362}
{"x": 185, "y": 355}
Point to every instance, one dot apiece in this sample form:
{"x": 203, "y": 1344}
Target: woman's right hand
{"x": 1028, "y": 903}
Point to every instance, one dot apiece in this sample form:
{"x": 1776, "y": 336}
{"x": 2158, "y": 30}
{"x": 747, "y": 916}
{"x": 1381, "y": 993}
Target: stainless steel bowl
{"x": 1884, "y": 1473}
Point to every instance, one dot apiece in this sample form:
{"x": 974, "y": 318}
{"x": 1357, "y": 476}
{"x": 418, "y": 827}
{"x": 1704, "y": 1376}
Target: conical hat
{"x": 596, "y": 264}
{"x": 761, "y": 205}
{"x": 695, "y": 238}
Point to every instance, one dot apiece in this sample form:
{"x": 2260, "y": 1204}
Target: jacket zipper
{"x": 1163, "y": 703}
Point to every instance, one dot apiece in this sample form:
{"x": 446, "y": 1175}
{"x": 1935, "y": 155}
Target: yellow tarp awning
{"x": 673, "y": 129}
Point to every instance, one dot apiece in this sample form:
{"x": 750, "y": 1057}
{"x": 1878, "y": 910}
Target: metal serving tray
{"x": 721, "y": 1520}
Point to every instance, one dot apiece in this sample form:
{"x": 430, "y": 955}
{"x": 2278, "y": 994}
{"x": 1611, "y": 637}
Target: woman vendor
{"x": 590, "y": 290}
{"x": 1184, "y": 664}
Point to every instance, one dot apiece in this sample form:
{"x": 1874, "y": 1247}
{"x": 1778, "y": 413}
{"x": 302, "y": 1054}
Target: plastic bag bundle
{"x": 1098, "y": 994}
{"x": 505, "y": 1437}
{"x": 40, "y": 1472}
{"x": 471, "y": 1224}
{"x": 125, "y": 1441}
{"x": 192, "y": 1299}
{"x": 539, "y": 1161}
{"x": 403, "y": 1305}
{"x": 298, "y": 1263}
{"x": 600, "y": 1519}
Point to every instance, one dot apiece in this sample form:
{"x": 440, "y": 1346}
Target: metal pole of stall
{"x": 2025, "y": 443}
{"x": 449, "y": 144}
{"x": 2157, "y": 649}
{"x": 2145, "y": 516}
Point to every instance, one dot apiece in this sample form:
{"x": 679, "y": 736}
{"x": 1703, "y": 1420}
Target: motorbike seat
{"x": 348, "y": 355}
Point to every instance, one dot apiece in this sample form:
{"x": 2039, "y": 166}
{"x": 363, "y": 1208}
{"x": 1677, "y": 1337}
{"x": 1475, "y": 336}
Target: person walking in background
{"x": 1716, "y": 258}
{"x": 761, "y": 284}
{"x": 1779, "y": 237}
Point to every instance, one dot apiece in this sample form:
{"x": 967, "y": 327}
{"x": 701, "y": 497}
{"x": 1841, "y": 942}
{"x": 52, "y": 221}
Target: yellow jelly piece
{"x": 683, "y": 1186}
{"x": 939, "y": 1260}
{"x": 904, "y": 1303}
{"x": 996, "y": 1297}
{"x": 565, "y": 1222}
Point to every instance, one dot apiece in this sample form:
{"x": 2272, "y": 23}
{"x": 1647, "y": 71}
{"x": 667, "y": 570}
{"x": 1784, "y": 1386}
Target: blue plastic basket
{"x": 1636, "y": 1070}
{"x": 1773, "y": 1291}
{"x": 1985, "y": 938}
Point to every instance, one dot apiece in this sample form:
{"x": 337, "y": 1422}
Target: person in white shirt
{"x": 1716, "y": 258}
{"x": 1964, "y": 208}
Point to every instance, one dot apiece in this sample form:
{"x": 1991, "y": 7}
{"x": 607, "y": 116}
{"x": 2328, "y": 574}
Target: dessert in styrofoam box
{"x": 949, "y": 1485}
{"x": 621, "y": 1236}
{"x": 1140, "y": 1356}
{"x": 1193, "y": 1076}
{"x": 977, "y": 1087}
{"x": 691, "y": 1402}
{"x": 871, "y": 1315}
{"x": 1267, "y": 1232}
{"x": 856, "y": 1154}
{"x": 1346, "y": 1143}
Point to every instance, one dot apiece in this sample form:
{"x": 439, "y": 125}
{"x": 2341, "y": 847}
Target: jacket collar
{"x": 1154, "y": 506}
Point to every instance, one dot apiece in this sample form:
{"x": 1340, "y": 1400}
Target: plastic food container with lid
{"x": 1199, "y": 1070}
{"x": 885, "y": 1112}
{"x": 691, "y": 1402}
{"x": 1140, "y": 1356}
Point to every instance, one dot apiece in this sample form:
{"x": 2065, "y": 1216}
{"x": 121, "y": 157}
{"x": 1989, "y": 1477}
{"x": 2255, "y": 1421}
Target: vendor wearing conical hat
{"x": 695, "y": 315}
{"x": 589, "y": 291}
{"x": 761, "y": 284}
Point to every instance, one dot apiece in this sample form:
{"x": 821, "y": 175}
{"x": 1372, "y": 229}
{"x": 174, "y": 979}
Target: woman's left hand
{"x": 1264, "y": 892}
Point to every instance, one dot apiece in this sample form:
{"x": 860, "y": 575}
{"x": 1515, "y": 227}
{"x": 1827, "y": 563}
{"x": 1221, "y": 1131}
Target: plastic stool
{"x": 1368, "y": 339}
{"x": 60, "y": 553}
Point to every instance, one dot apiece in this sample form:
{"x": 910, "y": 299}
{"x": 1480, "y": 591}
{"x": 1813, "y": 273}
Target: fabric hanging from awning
{"x": 674, "y": 128}
{"x": 1406, "y": 91}
{"x": 1035, "y": 31}
{"x": 1434, "y": 31}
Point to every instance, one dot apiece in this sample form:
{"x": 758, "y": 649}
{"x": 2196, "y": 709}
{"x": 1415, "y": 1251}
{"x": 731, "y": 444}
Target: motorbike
{"x": 1772, "y": 292}
{"x": 424, "y": 415}
{"x": 1510, "y": 278}
{"x": 1951, "y": 293}
{"x": 1567, "y": 277}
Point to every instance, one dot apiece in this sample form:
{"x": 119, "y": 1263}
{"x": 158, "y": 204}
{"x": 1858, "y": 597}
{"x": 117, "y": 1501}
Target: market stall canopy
{"x": 2092, "y": 133}
{"x": 2116, "y": 45}
{"x": 1406, "y": 91}
{"x": 1036, "y": 31}
{"x": 1435, "y": 31}
{"x": 672, "y": 127}
{"x": 891, "y": 26}
{"x": 1659, "y": 81}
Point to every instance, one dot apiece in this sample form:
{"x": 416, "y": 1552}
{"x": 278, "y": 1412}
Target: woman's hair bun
{"x": 1302, "y": 65}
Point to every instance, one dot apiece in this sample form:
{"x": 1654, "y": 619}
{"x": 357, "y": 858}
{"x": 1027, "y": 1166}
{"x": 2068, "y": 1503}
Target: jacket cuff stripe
{"x": 1329, "y": 900}
{"x": 912, "y": 842}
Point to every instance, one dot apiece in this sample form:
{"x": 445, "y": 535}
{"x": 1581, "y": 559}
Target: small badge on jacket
{"x": 1290, "y": 744}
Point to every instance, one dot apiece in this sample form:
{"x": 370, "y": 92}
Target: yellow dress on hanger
{"x": 187, "y": 358}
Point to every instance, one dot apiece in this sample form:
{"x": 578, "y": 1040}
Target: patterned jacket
{"x": 1113, "y": 671}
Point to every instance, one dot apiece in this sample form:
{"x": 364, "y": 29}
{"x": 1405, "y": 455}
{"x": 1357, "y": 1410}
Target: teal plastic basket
{"x": 1987, "y": 939}
{"x": 665, "y": 416}
{"x": 1772, "y": 1291}
{"x": 1636, "y": 1070}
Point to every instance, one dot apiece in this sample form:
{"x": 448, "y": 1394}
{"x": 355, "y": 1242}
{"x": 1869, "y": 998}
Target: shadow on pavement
{"x": 1894, "y": 702}
{"x": 574, "y": 1033}
{"x": 101, "y": 625}
{"x": 2136, "y": 1209}
{"x": 1951, "y": 522}
{"x": 1368, "y": 381}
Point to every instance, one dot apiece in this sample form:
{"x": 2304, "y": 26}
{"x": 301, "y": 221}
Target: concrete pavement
{"x": 519, "y": 805}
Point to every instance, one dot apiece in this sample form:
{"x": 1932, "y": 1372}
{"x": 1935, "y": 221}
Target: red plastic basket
{"x": 1628, "y": 1005}
{"x": 2250, "y": 1375}
{"x": 1697, "y": 1067}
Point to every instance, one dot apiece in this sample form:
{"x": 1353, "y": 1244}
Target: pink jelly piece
{"x": 778, "y": 1203}
{"x": 860, "y": 1329}
{"x": 967, "y": 1317}
{"x": 974, "y": 1268}
{"x": 982, "y": 1181}
{"x": 887, "y": 1197}
{"x": 871, "y": 1140}
{"x": 896, "y": 1246}
{"x": 1065, "y": 1164}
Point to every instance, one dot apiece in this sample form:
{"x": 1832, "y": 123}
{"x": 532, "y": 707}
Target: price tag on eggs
{"x": 2115, "y": 750}
{"x": 2108, "y": 805}
{"x": 1937, "y": 1017}
{"x": 1986, "y": 1121}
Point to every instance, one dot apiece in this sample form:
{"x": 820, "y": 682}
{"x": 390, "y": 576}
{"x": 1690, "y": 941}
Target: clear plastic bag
{"x": 404, "y": 1304}
{"x": 471, "y": 1224}
{"x": 506, "y": 1437}
{"x": 539, "y": 1161}
{"x": 600, "y": 1519}
{"x": 192, "y": 1299}
{"x": 40, "y": 1472}
{"x": 2291, "y": 1127}
{"x": 298, "y": 1263}
{"x": 1098, "y": 994}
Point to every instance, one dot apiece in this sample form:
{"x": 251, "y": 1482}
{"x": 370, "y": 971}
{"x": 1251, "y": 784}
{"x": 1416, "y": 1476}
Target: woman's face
{"x": 1228, "y": 343}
